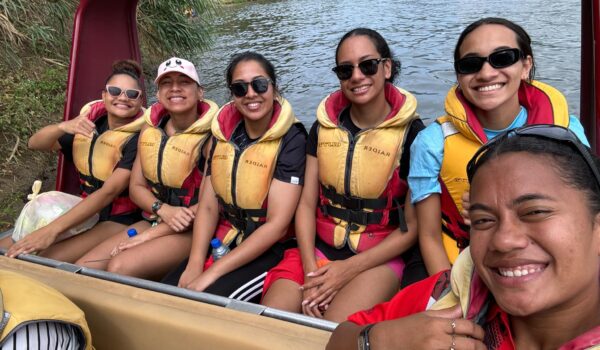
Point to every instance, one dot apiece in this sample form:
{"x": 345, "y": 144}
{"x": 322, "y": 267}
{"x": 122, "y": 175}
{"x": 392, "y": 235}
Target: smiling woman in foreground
{"x": 530, "y": 277}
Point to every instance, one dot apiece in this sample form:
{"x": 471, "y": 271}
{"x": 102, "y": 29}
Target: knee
{"x": 118, "y": 266}
{"x": 335, "y": 316}
{"x": 52, "y": 253}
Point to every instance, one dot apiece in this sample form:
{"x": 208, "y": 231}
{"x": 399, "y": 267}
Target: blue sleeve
{"x": 576, "y": 127}
{"x": 426, "y": 154}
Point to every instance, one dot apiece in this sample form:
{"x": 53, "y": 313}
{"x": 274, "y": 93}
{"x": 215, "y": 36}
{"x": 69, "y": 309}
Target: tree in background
{"x": 168, "y": 28}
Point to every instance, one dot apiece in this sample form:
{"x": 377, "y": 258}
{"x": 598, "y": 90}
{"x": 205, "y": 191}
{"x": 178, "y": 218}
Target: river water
{"x": 300, "y": 36}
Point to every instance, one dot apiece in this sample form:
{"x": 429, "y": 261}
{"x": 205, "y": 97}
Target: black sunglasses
{"x": 499, "y": 59}
{"x": 259, "y": 85}
{"x": 547, "y": 131}
{"x": 367, "y": 67}
{"x": 116, "y": 91}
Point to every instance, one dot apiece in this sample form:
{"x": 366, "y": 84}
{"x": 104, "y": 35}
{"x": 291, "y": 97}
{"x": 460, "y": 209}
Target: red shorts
{"x": 290, "y": 267}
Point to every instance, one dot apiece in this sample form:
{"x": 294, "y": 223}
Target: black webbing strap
{"x": 353, "y": 203}
{"x": 366, "y": 218}
{"x": 174, "y": 196}
{"x": 242, "y": 219}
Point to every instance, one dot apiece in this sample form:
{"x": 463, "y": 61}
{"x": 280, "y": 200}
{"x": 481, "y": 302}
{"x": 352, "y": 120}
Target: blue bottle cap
{"x": 215, "y": 243}
{"x": 131, "y": 232}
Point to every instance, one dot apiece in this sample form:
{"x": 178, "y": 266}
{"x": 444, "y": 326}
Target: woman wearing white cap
{"x": 165, "y": 179}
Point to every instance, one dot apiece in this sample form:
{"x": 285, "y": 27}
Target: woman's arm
{"x": 283, "y": 199}
{"x": 306, "y": 231}
{"x": 429, "y": 217}
{"x": 46, "y": 139}
{"x": 153, "y": 232}
{"x": 204, "y": 228}
{"x": 305, "y": 224}
{"x": 45, "y": 236}
{"x": 439, "y": 329}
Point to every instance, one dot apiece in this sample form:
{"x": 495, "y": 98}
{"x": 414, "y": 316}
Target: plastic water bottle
{"x": 218, "y": 249}
{"x": 131, "y": 232}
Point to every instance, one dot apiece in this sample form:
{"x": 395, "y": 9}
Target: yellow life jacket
{"x": 24, "y": 300}
{"x": 361, "y": 190}
{"x": 464, "y": 134}
{"x": 96, "y": 158}
{"x": 170, "y": 163}
{"x": 242, "y": 180}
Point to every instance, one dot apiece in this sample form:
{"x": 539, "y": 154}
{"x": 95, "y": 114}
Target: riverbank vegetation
{"x": 35, "y": 38}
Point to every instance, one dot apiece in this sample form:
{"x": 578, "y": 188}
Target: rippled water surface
{"x": 300, "y": 38}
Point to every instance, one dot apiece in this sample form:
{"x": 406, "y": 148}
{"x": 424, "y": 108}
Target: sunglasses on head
{"x": 259, "y": 85}
{"x": 499, "y": 59}
{"x": 551, "y": 132}
{"x": 115, "y": 91}
{"x": 367, "y": 67}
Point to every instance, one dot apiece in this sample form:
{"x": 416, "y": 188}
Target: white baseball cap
{"x": 175, "y": 64}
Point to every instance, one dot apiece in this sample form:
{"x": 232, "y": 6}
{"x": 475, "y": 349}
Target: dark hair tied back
{"x": 380, "y": 44}
{"x": 127, "y": 67}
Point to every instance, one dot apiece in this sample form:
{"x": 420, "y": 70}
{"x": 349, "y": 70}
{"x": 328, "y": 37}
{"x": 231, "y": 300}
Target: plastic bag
{"x": 43, "y": 208}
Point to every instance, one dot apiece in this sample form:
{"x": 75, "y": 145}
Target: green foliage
{"x": 166, "y": 27}
{"x": 34, "y": 27}
{"x": 27, "y": 102}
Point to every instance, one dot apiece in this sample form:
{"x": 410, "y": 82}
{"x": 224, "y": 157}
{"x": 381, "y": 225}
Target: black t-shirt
{"x": 345, "y": 121}
{"x": 291, "y": 159}
{"x": 129, "y": 149}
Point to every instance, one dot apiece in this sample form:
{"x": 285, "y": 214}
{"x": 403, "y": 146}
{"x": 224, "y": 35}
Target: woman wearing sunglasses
{"x": 254, "y": 179}
{"x": 102, "y": 143}
{"x": 355, "y": 182}
{"x": 494, "y": 67}
{"x": 166, "y": 178}
{"x": 529, "y": 279}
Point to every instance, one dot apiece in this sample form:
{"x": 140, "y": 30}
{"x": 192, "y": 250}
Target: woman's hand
{"x": 310, "y": 308}
{"x": 32, "y": 243}
{"x": 131, "y": 242}
{"x": 188, "y": 275}
{"x": 309, "y": 294}
{"x": 328, "y": 279}
{"x": 178, "y": 218}
{"x": 203, "y": 281}
{"x": 79, "y": 125}
{"x": 439, "y": 329}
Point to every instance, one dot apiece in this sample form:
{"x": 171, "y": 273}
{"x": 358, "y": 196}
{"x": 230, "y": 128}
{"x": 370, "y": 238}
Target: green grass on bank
{"x": 30, "y": 100}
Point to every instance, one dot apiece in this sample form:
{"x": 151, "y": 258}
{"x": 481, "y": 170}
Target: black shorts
{"x": 245, "y": 283}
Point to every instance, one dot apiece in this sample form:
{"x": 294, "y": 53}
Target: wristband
{"x": 156, "y": 206}
{"x": 363, "y": 339}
